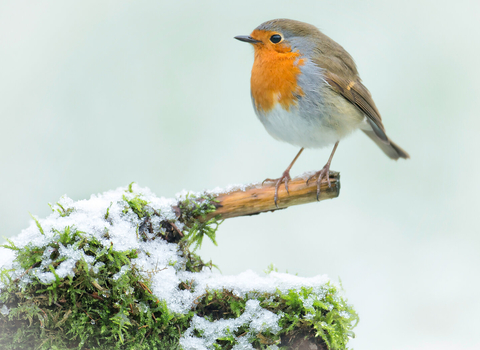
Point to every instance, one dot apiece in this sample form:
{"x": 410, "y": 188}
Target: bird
{"x": 306, "y": 91}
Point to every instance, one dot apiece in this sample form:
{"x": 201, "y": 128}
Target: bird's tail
{"x": 389, "y": 148}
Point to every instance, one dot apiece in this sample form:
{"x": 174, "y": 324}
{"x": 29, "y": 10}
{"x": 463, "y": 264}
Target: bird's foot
{"x": 324, "y": 173}
{"x": 284, "y": 178}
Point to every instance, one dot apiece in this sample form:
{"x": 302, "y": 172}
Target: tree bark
{"x": 257, "y": 198}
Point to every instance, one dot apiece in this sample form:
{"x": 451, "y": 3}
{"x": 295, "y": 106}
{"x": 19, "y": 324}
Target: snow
{"x": 258, "y": 319}
{"x": 244, "y": 187}
{"x": 4, "y": 310}
{"x": 232, "y": 188}
{"x": 158, "y": 260}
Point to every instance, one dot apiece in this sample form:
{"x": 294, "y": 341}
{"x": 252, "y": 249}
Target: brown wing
{"x": 357, "y": 94}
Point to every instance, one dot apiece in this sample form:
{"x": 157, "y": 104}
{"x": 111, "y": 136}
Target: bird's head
{"x": 283, "y": 35}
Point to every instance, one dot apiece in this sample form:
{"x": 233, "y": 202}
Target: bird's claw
{"x": 324, "y": 173}
{"x": 284, "y": 178}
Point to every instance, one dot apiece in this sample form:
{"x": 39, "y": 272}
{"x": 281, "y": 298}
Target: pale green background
{"x": 96, "y": 94}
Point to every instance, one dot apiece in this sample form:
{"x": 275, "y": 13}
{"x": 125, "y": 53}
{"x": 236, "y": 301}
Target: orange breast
{"x": 274, "y": 78}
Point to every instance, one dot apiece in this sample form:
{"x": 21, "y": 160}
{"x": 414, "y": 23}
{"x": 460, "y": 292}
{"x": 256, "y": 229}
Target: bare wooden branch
{"x": 256, "y": 199}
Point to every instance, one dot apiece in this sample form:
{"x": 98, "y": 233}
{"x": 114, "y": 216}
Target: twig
{"x": 258, "y": 198}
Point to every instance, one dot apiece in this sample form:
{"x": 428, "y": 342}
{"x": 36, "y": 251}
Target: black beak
{"x": 247, "y": 39}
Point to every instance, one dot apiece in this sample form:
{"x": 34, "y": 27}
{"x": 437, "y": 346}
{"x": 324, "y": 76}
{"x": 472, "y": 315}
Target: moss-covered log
{"x": 119, "y": 271}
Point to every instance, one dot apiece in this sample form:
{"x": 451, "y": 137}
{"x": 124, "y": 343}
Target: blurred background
{"x": 97, "y": 94}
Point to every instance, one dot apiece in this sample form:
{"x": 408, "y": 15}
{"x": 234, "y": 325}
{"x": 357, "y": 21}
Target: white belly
{"x": 317, "y": 125}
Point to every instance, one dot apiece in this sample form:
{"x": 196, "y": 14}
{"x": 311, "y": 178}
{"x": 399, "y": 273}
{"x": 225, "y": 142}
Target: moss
{"x": 107, "y": 303}
{"x": 92, "y": 309}
{"x": 329, "y": 319}
{"x": 193, "y": 210}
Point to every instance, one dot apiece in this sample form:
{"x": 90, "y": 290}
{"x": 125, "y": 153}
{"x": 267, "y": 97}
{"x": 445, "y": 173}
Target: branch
{"x": 256, "y": 199}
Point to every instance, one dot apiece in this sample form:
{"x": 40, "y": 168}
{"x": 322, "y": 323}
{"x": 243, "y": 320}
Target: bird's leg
{"x": 324, "y": 173}
{"x": 284, "y": 178}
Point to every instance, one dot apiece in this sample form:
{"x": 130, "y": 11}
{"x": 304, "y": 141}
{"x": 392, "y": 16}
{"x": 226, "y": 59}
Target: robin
{"x": 306, "y": 91}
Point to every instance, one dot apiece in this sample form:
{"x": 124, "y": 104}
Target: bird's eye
{"x": 275, "y": 38}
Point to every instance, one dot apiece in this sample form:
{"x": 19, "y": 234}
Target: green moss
{"x": 306, "y": 313}
{"x": 193, "y": 212}
{"x": 107, "y": 303}
{"x": 111, "y": 307}
{"x": 60, "y": 210}
{"x": 329, "y": 317}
